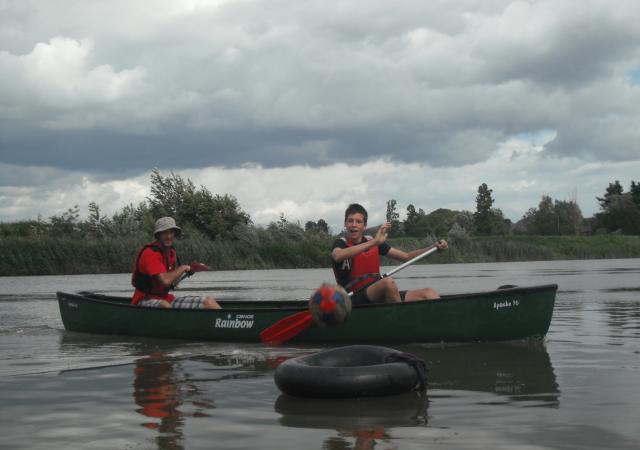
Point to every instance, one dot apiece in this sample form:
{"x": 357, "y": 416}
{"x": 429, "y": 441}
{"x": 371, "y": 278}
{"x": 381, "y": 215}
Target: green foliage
{"x": 635, "y": 192}
{"x": 321, "y": 226}
{"x": 620, "y": 211}
{"x": 437, "y": 223}
{"x": 614, "y": 189}
{"x": 393, "y": 217}
{"x": 218, "y": 232}
{"x": 553, "y": 218}
{"x": 214, "y": 216}
{"x": 487, "y": 220}
{"x": 412, "y": 226}
{"x": 67, "y": 223}
{"x": 265, "y": 248}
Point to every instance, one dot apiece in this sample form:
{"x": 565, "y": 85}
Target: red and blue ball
{"x": 330, "y": 305}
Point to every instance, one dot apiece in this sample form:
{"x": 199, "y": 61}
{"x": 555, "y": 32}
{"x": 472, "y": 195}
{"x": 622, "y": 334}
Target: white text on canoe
{"x": 239, "y": 321}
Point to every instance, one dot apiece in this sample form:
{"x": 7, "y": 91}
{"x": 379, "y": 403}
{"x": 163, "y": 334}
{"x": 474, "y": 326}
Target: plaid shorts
{"x": 186, "y": 302}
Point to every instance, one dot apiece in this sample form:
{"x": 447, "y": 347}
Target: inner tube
{"x": 352, "y": 371}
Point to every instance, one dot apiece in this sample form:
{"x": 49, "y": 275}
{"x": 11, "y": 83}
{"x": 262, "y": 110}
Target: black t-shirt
{"x": 342, "y": 269}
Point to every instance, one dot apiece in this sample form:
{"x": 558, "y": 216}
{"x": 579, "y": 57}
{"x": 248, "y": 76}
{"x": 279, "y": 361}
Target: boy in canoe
{"x": 157, "y": 271}
{"x": 355, "y": 256}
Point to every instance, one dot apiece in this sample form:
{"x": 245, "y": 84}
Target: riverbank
{"x": 63, "y": 256}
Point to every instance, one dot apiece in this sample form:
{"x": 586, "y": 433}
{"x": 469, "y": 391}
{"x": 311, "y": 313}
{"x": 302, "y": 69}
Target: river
{"x": 577, "y": 389}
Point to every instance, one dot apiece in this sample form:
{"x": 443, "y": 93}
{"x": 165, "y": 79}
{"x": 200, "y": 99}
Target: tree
{"x": 620, "y": 211}
{"x": 622, "y": 215}
{"x": 97, "y": 223}
{"x": 552, "y": 218}
{"x": 635, "y": 192}
{"x": 67, "y": 223}
{"x": 411, "y": 220}
{"x": 323, "y": 226}
{"x": 612, "y": 190}
{"x": 211, "y": 215}
{"x": 569, "y": 217}
{"x": 545, "y": 219}
{"x": 316, "y": 227}
{"x": 393, "y": 217}
{"x": 487, "y": 220}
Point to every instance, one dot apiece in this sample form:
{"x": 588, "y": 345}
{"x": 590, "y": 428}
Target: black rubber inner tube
{"x": 352, "y": 371}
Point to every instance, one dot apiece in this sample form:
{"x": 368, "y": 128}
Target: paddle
{"x": 285, "y": 329}
{"x": 195, "y": 267}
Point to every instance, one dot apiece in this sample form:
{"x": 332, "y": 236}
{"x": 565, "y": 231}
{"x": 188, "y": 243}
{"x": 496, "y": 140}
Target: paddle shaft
{"x": 404, "y": 264}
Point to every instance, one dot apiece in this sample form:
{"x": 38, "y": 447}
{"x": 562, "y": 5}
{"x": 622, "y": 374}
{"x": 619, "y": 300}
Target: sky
{"x": 302, "y": 107}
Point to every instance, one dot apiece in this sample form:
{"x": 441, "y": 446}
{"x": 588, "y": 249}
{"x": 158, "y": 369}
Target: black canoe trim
{"x": 351, "y": 371}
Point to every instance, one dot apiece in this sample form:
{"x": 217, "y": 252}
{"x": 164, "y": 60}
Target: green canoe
{"x": 503, "y": 314}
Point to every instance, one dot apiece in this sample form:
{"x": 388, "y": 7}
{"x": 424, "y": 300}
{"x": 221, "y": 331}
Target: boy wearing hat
{"x": 157, "y": 271}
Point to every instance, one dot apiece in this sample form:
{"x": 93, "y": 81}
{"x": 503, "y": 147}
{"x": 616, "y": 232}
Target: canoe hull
{"x": 507, "y": 314}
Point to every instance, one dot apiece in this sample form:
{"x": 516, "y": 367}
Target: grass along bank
{"x": 61, "y": 256}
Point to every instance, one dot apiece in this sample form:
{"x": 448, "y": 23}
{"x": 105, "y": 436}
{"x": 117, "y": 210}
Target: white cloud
{"x": 60, "y": 77}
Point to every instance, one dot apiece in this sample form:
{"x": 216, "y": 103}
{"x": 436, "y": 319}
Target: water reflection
{"x": 366, "y": 421}
{"x": 160, "y": 394}
{"x": 521, "y": 372}
{"x": 623, "y": 319}
{"x": 517, "y": 373}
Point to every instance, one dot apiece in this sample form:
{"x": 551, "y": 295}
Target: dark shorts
{"x": 361, "y": 298}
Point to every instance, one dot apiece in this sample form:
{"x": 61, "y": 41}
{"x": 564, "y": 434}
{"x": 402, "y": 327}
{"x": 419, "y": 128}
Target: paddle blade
{"x": 287, "y": 328}
{"x": 198, "y": 267}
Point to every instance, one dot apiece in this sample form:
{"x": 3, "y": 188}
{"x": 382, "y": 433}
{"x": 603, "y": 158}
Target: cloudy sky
{"x": 302, "y": 107}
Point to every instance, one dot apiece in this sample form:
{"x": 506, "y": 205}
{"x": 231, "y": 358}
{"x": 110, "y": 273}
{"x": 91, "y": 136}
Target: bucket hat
{"x": 166, "y": 223}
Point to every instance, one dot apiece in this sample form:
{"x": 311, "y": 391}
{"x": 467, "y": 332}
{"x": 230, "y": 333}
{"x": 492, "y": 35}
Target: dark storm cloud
{"x": 287, "y": 82}
{"x": 107, "y": 151}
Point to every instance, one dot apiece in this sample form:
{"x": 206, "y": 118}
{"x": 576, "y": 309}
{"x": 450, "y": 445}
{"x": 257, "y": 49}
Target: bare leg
{"x": 164, "y": 304}
{"x": 421, "y": 294}
{"x": 210, "y": 303}
{"x": 384, "y": 291}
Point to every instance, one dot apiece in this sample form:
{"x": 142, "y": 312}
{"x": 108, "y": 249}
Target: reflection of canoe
{"x": 352, "y": 414}
{"x": 520, "y": 372}
{"x": 506, "y": 314}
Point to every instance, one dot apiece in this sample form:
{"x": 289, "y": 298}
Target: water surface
{"x": 580, "y": 388}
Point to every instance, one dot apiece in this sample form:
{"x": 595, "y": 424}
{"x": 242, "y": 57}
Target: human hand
{"x": 442, "y": 245}
{"x": 383, "y": 233}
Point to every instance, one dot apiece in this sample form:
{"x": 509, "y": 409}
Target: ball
{"x": 330, "y": 305}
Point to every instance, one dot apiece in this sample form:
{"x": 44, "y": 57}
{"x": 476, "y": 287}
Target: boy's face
{"x": 355, "y": 226}
{"x": 167, "y": 237}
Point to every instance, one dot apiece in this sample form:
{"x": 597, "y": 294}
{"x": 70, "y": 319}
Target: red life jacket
{"x": 362, "y": 264}
{"x": 146, "y": 283}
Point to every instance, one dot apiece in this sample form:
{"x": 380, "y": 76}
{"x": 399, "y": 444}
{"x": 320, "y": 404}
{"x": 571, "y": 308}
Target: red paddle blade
{"x": 198, "y": 267}
{"x": 285, "y": 329}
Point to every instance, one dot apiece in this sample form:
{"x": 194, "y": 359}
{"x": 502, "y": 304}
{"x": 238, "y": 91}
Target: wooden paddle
{"x": 285, "y": 329}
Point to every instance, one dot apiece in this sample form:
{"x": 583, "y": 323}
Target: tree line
{"x": 619, "y": 213}
{"x": 218, "y": 231}
{"x": 208, "y": 216}
{"x": 199, "y": 213}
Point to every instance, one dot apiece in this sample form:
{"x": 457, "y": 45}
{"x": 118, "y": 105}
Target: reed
{"x": 269, "y": 249}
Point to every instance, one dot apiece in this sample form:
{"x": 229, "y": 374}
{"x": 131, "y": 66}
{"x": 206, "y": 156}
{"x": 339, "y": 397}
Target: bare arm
{"x": 340, "y": 254}
{"x": 169, "y": 278}
{"x": 399, "y": 255}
